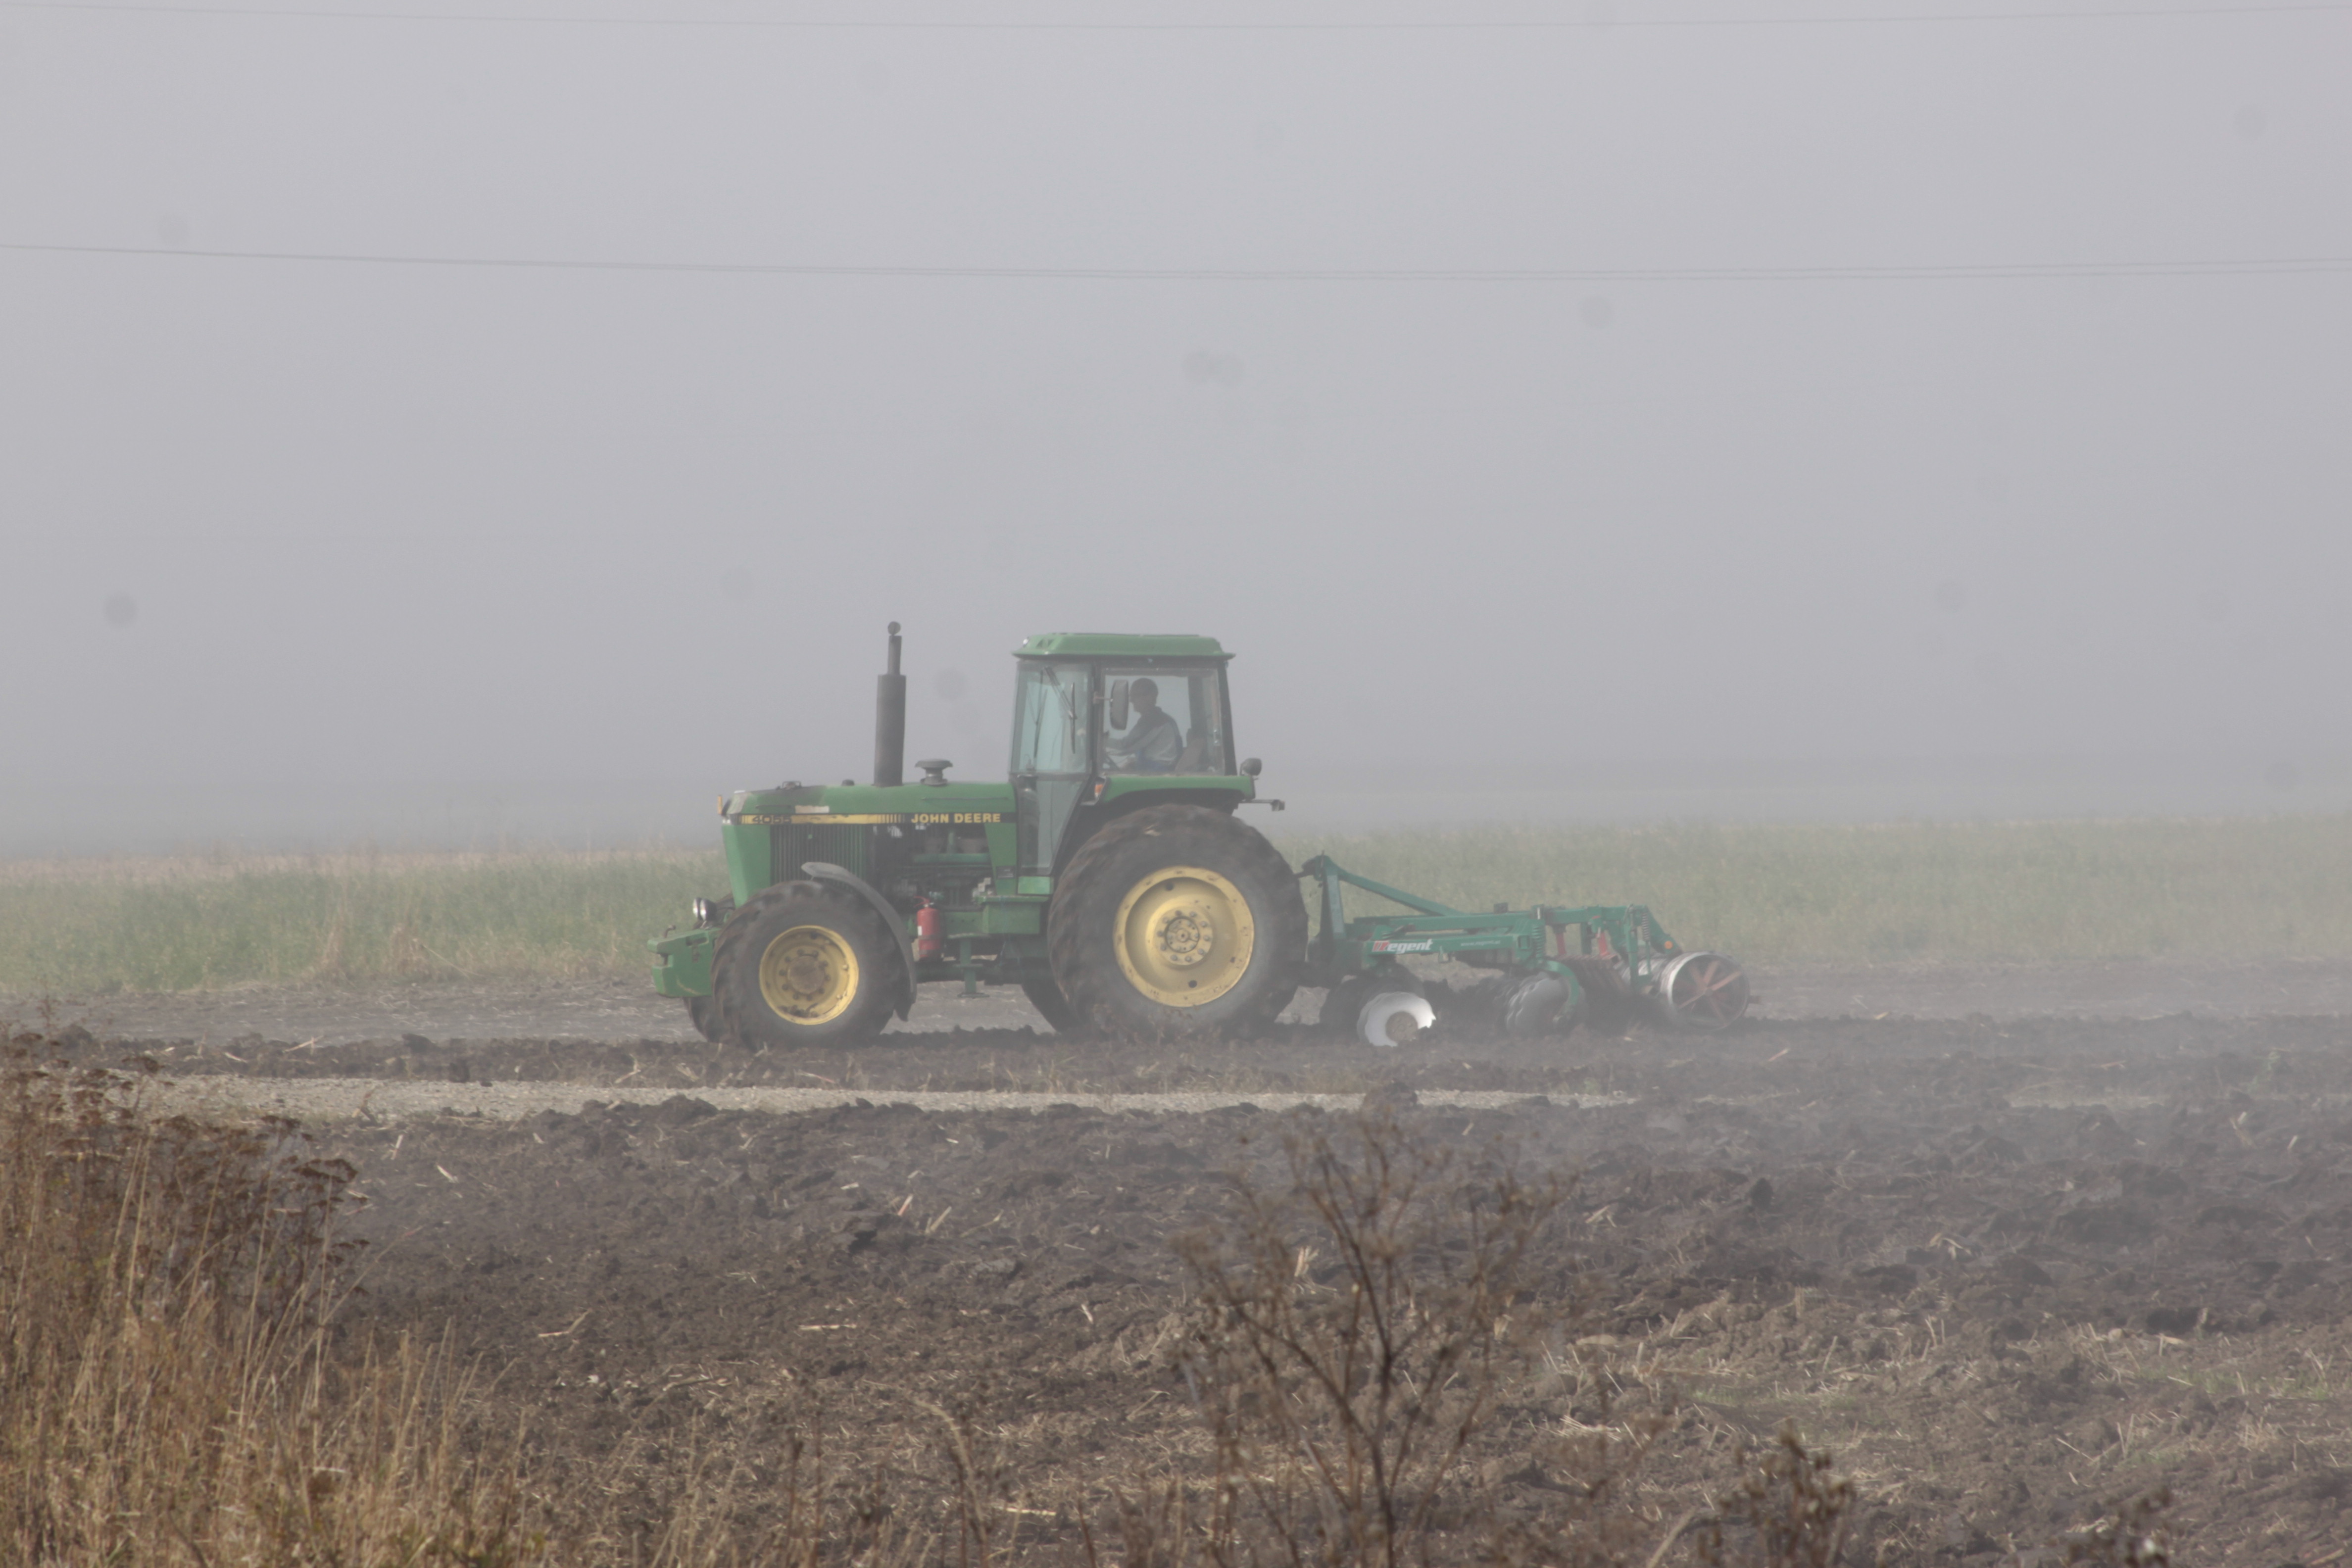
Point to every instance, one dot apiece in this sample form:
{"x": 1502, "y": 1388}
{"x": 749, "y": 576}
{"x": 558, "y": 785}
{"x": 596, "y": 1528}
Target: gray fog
{"x": 524, "y": 418}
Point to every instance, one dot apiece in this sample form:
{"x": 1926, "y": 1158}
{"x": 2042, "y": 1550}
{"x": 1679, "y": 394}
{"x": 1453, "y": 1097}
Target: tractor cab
{"x": 1100, "y": 718}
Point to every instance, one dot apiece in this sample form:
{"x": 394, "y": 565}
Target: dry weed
{"x": 167, "y": 1393}
{"x": 1369, "y": 1338}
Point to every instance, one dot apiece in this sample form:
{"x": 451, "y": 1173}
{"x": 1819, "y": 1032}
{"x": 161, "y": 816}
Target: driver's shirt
{"x": 1155, "y": 741}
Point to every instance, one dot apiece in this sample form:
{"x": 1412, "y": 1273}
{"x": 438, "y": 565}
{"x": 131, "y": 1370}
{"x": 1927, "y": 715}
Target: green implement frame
{"x": 1611, "y": 955}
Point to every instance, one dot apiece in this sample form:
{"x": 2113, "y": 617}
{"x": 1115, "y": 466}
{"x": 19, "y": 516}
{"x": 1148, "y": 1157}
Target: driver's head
{"x": 1146, "y": 693}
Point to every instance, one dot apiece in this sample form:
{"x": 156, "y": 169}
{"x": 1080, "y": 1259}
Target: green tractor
{"x": 1109, "y": 877}
{"x": 1111, "y": 880}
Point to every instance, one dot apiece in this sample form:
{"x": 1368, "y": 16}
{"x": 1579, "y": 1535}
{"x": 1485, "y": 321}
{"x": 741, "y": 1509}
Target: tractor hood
{"x": 976, "y": 803}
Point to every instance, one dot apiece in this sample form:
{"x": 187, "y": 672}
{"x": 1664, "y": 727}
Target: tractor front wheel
{"x": 1176, "y": 922}
{"x": 703, "y": 1012}
{"x": 803, "y": 963}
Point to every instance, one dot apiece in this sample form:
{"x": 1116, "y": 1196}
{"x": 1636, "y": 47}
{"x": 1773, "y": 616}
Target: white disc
{"x": 1394, "y": 1018}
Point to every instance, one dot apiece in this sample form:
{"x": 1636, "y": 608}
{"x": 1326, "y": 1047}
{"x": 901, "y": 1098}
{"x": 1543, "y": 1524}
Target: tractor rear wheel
{"x": 1051, "y": 1004}
{"x": 1176, "y": 922}
{"x": 803, "y": 963}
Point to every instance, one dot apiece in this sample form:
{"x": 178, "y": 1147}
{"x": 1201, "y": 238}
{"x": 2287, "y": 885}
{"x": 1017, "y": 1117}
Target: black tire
{"x": 1236, "y": 934}
{"x": 704, "y": 1011}
{"x": 835, "y": 980}
{"x": 1054, "y": 1007}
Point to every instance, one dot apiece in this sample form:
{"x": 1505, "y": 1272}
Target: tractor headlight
{"x": 702, "y": 913}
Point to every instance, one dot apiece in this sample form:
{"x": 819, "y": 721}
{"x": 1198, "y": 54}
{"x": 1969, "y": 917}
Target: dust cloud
{"x": 1754, "y": 410}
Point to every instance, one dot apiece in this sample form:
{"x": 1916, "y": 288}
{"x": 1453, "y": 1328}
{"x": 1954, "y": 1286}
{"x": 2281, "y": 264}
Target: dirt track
{"x": 2003, "y": 1269}
{"x": 627, "y": 1010}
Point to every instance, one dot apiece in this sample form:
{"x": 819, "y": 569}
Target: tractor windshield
{"x": 1165, "y": 719}
{"x": 1049, "y": 730}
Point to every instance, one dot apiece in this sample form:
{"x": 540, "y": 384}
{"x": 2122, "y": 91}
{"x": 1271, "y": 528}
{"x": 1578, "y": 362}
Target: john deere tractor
{"x": 1109, "y": 876}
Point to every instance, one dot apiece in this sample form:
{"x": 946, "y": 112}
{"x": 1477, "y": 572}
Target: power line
{"x": 1595, "y": 24}
{"x": 2226, "y": 268}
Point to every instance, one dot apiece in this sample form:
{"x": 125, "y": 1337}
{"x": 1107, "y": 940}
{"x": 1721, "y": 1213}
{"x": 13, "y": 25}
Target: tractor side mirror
{"x": 1119, "y": 709}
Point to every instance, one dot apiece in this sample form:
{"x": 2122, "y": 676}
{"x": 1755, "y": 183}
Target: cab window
{"x": 1050, "y": 730}
{"x": 1159, "y": 719}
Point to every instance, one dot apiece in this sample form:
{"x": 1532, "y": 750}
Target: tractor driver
{"x": 1155, "y": 740}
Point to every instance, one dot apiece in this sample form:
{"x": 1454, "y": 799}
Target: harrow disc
{"x": 1533, "y": 1005}
{"x": 1701, "y": 991}
{"x": 1394, "y": 1018}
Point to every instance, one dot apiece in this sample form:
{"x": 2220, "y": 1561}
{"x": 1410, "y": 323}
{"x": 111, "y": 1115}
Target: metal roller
{"x": 1701, "y": 991}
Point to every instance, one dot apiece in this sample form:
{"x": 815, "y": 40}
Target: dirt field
{"x": 2005, "y": 1267}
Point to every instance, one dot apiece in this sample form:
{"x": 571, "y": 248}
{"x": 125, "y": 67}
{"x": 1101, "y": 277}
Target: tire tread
{"x": 866, "y": 1015}
{"x": 1081, "y": 910}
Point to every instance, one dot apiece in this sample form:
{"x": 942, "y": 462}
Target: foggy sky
{"x": 316, "y": 523}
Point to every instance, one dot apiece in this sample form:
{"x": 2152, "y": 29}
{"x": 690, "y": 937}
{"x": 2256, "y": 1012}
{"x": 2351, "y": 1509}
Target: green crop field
{"x": 199, "y": 921}
{"x": 2238, "y": 887}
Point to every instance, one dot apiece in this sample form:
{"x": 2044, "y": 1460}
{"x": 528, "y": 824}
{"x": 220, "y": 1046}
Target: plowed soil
{"x": 2005, "y": 1271}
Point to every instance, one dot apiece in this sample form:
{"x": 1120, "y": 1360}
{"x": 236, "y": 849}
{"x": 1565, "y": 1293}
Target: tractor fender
{"x": 891, "y": 920}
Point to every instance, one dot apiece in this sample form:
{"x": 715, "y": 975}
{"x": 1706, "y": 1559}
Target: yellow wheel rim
{"x": 1184, "y": 936}
{"x": 808, "y": 975}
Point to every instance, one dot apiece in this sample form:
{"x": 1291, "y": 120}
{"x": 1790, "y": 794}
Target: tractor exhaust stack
{"x": 891, "y": 721}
